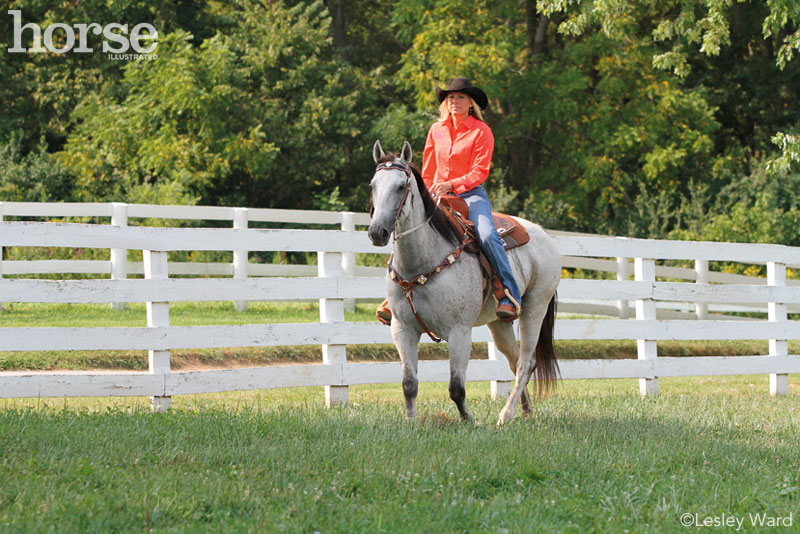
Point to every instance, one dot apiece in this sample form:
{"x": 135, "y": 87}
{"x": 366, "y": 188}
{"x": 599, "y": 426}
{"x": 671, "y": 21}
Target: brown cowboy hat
{"x": 462, "y": 85}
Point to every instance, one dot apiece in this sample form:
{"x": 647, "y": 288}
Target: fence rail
{"x": 335, "y": 280}
{"x": 118, "y": 267}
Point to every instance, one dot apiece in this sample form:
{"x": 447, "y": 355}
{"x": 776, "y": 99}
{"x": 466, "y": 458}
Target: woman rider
{"x": 456, "y": 160}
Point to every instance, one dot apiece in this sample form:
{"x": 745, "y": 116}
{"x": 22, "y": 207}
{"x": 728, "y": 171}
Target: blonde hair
{"x": 475, "y": 110}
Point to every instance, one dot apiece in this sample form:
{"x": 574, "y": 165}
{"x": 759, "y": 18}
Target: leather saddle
{"x": 512, "y": 234}
{"x": 510, "y": 231}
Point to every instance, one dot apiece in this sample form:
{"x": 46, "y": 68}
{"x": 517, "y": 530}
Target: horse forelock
{"x": 389, "y": 156}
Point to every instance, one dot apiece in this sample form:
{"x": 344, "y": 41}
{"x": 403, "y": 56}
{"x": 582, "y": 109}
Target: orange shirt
{"x": 461, "y": 156}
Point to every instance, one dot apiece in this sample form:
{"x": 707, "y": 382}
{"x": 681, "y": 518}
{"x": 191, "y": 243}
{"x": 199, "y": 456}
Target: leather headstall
{"x": 393, "y": 166}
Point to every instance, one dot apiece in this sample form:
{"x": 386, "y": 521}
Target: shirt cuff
{"x": 459, "y": 185}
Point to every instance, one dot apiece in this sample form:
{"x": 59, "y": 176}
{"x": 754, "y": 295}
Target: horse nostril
{"x": 378, "y": 235}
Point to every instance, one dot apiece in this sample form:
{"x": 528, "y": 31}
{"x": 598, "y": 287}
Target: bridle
{"x": 394, "y": 166}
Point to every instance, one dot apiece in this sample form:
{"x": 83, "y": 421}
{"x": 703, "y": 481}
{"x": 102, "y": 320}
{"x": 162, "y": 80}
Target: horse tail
{"x": 546, "y": 369}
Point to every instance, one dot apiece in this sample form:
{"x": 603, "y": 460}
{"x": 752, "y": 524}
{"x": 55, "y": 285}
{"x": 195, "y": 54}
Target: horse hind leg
{"x": 506, "y": 342}
{"x": 534, "y": 315}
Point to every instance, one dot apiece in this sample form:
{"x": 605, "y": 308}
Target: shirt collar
{"x": 469, "y": 123}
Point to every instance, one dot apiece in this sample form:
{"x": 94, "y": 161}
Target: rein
{"x": 420, "y": 225}
{"x": 408, "y": 285}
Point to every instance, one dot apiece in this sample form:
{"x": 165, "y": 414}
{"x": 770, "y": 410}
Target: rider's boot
{"x": 507, "y": 308}
{"x": 383, "y": 313}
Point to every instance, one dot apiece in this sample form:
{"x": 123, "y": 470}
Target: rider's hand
{"x": 440, "y": 188}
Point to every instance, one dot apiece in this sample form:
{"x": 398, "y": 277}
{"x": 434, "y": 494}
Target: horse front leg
{"x": 407, "y": 340}
{"x": 460, "y": 347}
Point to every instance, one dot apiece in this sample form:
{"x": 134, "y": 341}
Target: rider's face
{"x": 458, "y": 103}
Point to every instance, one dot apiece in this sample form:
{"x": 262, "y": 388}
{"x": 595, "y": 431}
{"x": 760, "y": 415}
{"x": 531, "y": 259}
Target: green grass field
{"x": 593, "y": 457}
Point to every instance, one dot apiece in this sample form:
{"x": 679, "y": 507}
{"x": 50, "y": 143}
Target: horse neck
{"x": 421, "y": 250}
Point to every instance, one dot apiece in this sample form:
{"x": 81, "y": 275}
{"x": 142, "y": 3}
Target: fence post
{"x": 501, "y": 389}
{"x": 240, "y": 222}
{"x": 623, "y": 272}
{"x": 776, "y": 276}
{"x": 119, "y": 256}
{"x": 155, "y": 267}
{"x": 701, "y": 270}
{"x": 329, "y": 265}
{"x": 647, "y": 349}
{"x": 349, "y": 258}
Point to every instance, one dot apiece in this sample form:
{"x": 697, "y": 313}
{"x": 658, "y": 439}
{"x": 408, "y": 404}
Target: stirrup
{"x": 383, "y": 313}
{"x": 506, "y": 312}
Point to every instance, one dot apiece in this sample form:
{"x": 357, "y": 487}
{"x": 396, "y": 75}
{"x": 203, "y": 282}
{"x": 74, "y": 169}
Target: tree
{"x": 235, "y": 120}
{"x": 686, "y": 26}
{"x": 40, "y": 90}
{"x": 587, "y": 119}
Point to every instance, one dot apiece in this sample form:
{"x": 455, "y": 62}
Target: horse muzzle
{"x": 378, "y": 234}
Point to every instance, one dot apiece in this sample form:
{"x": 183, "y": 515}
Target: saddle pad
{"x": 512, "y": 234}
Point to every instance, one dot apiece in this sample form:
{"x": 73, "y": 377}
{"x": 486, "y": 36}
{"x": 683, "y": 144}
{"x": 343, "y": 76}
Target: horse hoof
{"x": 505, "y": 417}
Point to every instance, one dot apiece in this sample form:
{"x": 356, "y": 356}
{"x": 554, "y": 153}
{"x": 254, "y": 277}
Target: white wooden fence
{"x": 333, "y": 284}
{"x": 119, "y": 268}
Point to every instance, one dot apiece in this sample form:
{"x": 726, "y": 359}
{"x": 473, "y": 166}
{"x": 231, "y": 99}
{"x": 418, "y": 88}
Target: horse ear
{"x": 405, "y": 154}
{"x": 377, "y": 151}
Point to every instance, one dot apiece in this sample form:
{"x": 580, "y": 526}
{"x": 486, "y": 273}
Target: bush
{"x": 33, "y": 177}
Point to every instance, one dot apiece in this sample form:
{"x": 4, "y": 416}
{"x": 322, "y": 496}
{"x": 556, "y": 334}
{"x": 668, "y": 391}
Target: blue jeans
{"x": 480, "y": 213}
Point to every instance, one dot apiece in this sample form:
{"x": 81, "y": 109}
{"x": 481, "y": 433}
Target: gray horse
{"x": 450, "y": 301}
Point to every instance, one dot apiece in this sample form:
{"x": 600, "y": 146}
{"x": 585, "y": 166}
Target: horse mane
{"x": 436, "y": 215}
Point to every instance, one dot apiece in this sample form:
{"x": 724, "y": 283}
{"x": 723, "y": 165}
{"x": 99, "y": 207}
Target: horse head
{"x": 390, "y": 185}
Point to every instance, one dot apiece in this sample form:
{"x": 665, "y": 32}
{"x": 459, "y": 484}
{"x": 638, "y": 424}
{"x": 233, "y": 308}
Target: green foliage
{"x": 40, "y": 91}
{"x": 34, "y": 177}
{"x": 790, "y": 153}
{"x": 783, "y": 14}
{"x": 763, "y": 207}
{"x": 229, "y": 120}
{"x": 744, "y": 35}
{"x": 189, "y": 106}
{"x": 609, "y": 116}
{"x": 398, "y": 124}
{"x": 330, "y": 201}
